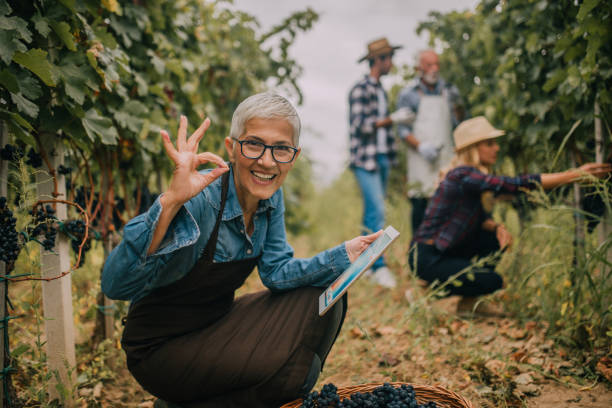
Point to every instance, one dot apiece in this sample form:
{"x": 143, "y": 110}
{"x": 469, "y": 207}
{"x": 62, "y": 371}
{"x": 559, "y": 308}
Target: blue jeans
{"x": 373, "y": 185}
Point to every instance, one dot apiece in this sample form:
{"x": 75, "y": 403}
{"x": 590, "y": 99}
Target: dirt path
{"x": 493, "y": 362}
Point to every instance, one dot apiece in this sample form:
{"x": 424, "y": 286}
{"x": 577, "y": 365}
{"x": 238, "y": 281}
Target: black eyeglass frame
{"x": 271, "y": 147}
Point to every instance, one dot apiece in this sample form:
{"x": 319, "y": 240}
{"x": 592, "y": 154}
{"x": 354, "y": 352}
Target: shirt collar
{"x": 370, "y": 79}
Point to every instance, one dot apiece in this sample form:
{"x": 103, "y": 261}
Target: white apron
{"x": 433, "y": 125}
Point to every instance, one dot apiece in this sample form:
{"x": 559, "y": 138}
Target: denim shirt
{"x": 130, "y": 274}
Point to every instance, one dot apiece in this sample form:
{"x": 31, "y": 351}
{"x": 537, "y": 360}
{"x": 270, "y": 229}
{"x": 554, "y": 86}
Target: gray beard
{"x": 430, "y": 79}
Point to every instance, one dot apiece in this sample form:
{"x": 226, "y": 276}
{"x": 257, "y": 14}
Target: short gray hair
{"x": 265, "y": 105}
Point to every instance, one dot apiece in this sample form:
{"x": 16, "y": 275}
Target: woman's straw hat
{"x": 379, "y": 47}
{"x": 473, "y": 131}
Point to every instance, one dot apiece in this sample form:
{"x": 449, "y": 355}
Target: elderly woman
{"x": 457, "y": 228}
{"x": 188, "y": 341}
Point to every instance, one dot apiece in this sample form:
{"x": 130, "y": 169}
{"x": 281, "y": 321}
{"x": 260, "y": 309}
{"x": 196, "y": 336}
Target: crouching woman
{"x": 188, "y": 340}
{"x": 457, "y": 228}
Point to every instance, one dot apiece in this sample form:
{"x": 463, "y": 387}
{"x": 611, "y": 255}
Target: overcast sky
{"x": 328, "y": 54}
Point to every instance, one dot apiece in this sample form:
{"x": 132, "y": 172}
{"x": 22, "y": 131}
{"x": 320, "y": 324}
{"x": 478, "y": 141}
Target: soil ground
{"x": 493, "y": 362}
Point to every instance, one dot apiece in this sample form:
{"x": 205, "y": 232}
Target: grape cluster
{"x": 11, "y": 153}
{"x": 385, "y": 396}
{"x": 61, "y": 169}
{"x": 34, "y": 159}
{"x": 44, "y": 224}
{"x": 76, "y": 231}
{"x": 9, "y": 244}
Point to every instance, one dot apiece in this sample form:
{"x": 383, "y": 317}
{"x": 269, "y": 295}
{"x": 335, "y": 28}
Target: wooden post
{"x": 604, "y": 227}
{"x": 109, "y": 318}
{"x": 107, "y": 217}
{"x": 4, "y": 283}
{"x": 57, "y": 293}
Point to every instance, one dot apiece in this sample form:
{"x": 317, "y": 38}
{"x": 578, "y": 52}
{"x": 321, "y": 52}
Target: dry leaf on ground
{"x": 604, "y": 366}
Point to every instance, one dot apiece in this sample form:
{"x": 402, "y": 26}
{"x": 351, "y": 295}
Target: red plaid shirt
{"x": 455, "y": 211}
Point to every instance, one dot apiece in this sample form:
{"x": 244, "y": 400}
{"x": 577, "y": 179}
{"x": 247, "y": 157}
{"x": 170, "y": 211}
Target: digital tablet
{"x": 356, "y": 269}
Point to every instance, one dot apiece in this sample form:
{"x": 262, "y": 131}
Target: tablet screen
{"x": 356, "y": 269}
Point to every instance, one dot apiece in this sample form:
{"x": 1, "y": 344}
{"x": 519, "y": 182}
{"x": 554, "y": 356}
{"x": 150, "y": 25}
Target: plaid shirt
{"x": 363, "y": 114}
{"x": 455, "y": 211}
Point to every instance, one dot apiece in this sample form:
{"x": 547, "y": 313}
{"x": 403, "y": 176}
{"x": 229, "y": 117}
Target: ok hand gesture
{"x": 187, "y": 182}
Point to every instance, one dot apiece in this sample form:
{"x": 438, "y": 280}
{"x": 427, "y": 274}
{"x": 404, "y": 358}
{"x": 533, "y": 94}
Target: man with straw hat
{"x": 439, "y": 108}
{"x": 372, "y": 146}
{"x": 457, "y": 227}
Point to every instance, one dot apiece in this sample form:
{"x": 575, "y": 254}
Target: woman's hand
{"x": 598, "y": 170}
{"x": 186, "y": 181}
{"x": 503, "y": 236}
{"x": 357, "y": 245}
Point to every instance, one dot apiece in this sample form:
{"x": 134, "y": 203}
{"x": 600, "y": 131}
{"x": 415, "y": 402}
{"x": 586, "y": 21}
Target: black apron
{"x": 192, "y": 343}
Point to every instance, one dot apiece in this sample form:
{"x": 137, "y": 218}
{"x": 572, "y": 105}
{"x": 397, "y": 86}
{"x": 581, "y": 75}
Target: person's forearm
{"x": 552, "y": 180}
{"x": 169, "y": 210}
{"x": 411, "y": 141}
{"x": 384, "y": 122}
{"x": 489, "y": 225}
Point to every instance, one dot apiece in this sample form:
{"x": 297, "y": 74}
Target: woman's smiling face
{"x": 258, "y": 179}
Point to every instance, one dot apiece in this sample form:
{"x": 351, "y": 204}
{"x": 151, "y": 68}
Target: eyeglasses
{"x": 252, "y": 149}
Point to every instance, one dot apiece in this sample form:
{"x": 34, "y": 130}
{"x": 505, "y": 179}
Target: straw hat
{"x": 473, "y": 131}
{"x": 379, "y": 47}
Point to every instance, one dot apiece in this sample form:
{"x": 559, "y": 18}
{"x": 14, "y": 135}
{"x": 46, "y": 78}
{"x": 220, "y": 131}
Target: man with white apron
{"x": 438, "y": 109}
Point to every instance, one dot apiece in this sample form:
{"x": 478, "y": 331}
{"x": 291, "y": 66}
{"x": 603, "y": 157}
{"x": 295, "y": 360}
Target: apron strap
{"x": 209, "y": 250}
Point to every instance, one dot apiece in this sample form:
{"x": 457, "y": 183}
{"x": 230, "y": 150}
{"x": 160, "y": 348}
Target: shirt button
{"x": 249, "y": 251}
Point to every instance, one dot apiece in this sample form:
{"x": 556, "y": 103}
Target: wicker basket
{"x": 424, "y": 393}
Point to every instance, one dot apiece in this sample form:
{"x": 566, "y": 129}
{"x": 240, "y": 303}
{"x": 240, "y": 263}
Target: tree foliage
{"x": 534, "y": 68}
{"x": 106, "y": 76}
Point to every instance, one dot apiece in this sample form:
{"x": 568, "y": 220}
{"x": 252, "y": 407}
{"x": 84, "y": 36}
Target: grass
{"x": 559, "y": 299}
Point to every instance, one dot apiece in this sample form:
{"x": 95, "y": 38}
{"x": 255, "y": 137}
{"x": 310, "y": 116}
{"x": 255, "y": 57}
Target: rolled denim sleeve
{"x": 128, "y": 270}
{"x": 280, "y": 271}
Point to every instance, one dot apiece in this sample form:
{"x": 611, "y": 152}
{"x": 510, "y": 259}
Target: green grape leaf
{"x": 36, "y": 61}
{"x": 76, "y": 80}
{"x": 9, "y": 81}
{"x": 18, "y": 126}
{"x": 9, "y": 45}
{"x": 62, "y": 30}
{"x": 41, "y": 25}
{"x": 5, "y": 8}
{"x": 141, "y": 84}
{"x": 96, "y": 125}
{"x": 136, "y": 108}
{"x": 127, "y": 30}
{"x": 25, "y": 105}
{"x": 586, "y": 8}
{"x": 28, "y": 85}
{"x": 554, "y": 79}
{"x": 17, "y": 24}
